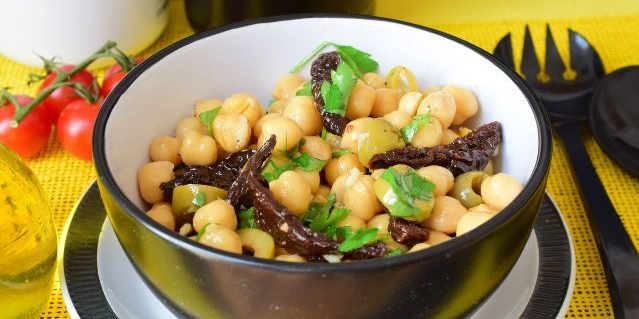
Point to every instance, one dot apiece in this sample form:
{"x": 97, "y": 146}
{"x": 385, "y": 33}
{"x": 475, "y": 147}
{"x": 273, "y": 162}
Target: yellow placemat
{"x": 64, "y": 177}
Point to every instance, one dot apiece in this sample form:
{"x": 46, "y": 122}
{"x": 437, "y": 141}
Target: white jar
{"x": 73, "y": 29}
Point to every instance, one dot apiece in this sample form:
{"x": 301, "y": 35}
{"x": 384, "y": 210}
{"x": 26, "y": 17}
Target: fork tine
{"x": 554, "y": 65}
{"x": 529, "y": 63}
{"x": 504, "y": 51}
{"x": 586, "y": 61}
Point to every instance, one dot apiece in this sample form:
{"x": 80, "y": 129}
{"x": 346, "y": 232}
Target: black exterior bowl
{"x": 445, "y": 281}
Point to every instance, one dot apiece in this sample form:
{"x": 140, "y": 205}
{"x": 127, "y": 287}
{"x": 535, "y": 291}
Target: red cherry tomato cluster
{"x": 73, "y": 115}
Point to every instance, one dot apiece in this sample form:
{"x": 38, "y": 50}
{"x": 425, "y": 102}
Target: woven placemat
{"x": 64, "y": 177}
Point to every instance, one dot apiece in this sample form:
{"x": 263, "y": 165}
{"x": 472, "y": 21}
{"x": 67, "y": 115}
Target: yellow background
{"x": 609, "y": 26}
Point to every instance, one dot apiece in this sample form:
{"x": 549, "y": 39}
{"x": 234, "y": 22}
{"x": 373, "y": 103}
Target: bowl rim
{"x": 540, "y": 170}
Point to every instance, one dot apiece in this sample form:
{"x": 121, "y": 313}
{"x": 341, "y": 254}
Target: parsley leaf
{"x": 326, "y": 219}
{"x": 305, "y": 90}
{"x": 199, "y": 199}
{"x": 340, "y": 153}
{"x": 358, "y": 239}
{"x": 324, "y": 132}
{"x": 406, "y": 188}
{"x": 201, "y": 232}
{"x": 343, "y": 77}
{"x": 247, "y": 219}
{"x": 316, "y": 209}
{"x": 332, "y": 98}
{"x": 208, "y": 117}
{"x": 272, "y": 171}
{"x": 358, "y": 60}
{"x": 409, "y": 131}
{"x": 308, "y": 163}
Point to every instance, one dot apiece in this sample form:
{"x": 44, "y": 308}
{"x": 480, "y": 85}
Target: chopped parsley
{"x": 335, "y": 94}
{"x": 393, "y": 253}
{"x": 406, "y": 188}
{"x": 357, "y": 239}
{"x": 208, "y": 117}
{"x": 308, "y": 163}
{"x": 247, "y": 219}
{"x": 199, "y": 199}
{"x": 305, "y": 90}
{"x": 305, "y": 162}
{"x": 409, "y": 131}
{"x": 340, "y": 153}
{"x": 359, "y": 61}
{"x": 201, "y": 232}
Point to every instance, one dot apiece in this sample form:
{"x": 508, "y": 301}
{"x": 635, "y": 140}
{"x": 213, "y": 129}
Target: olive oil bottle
{"x": 28, "y": 247}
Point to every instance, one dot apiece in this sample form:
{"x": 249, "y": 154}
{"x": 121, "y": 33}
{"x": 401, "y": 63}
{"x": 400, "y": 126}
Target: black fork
{"x": 566, "y": 102}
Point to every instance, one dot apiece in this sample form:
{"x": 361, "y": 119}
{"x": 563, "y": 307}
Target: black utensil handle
{"x": 618, "y": 254}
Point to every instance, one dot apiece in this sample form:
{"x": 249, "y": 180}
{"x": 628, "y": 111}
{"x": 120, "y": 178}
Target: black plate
{"x": 85, "y": 291}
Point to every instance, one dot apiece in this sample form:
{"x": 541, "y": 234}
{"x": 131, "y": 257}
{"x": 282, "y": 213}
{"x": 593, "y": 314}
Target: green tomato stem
{"x": 60, "y": 80}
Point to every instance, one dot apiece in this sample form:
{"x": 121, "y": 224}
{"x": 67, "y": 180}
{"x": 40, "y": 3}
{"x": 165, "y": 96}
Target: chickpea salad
{"x": 348, "y": 164}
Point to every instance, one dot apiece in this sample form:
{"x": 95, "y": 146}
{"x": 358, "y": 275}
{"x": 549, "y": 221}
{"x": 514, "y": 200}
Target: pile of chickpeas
{"x": 459, "y": 204}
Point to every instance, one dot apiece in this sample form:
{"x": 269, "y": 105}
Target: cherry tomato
{"x": 60, "y": 97}
{"x": 75, "y": 127}
{"x": 32, "y": 133}
{"x": 112, "y": 76}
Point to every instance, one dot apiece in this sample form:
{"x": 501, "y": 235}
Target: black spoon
{"x": 614, "y": 117}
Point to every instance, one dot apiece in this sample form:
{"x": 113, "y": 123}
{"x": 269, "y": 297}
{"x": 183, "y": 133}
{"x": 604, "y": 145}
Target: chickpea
{"x": 466, "y": 101}
{"x": 386, "y": 101}
{"x": 499, "y": 190}
{"x": 409, "y": 102}
{"x": 360, "y": 198}
{"x": 218, "y": 212}
{"x": 222, "y": 238}
{"x": 202, "y": 106}
{"x": 232, "y": 131}
{"x": 483, "y": 208}
{"x": 432, "y": 89}
{"x": 292, "y": 191}
{"x": 470, "y": 221}
{"x": 276, "y": 107}
{"x": 333, "y": 140}
{"x": 354, "y": 222}
{"x": 350, "y": 138}
{"x": 198, "y": 149}
{"x": 257, "y": 128}
{"x": 374, "y": 80}
{"x": 437, "y": 237}
{"x": 448, "y": 136}
{"x": 344, "y": 183}
{"x": 441, "y": 105}
{"x": 361, "y": 101}
{"x": 323, "y": 191}
{"x": 339, "y": 166}
{"x": 188, "y": 125}
{"x": 316, "y": 147}
{"x": 165, "y": 148}
{"x": 287, "y": 86}
{"x": 245, "y": 104}
{"x": 380, "y": 222}
{"x": 287, "y": 132}
{"x": 445, "y": 215}
{"x": 398, "y": 118}
{"x": 150, "y": 176}
{"x": 291, "y": 258}
{"x": 428, "y": 135}
{"x": 311, "y": 178}
{"x": 163, "y": 215}
{"x": 302, "y": 110}
{"x": 440, "y": 176}
{"x": 418, "y": 247}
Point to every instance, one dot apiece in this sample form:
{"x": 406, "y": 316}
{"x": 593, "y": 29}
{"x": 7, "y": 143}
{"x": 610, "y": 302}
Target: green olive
{"x": 467, "y": 187}
{"x": 388, "y": 198}
{"x": 184, "y": 197}
{"x": 257, "y": 241}
{"x": 377, "y": 136}
{"x": 390, "y": 243}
